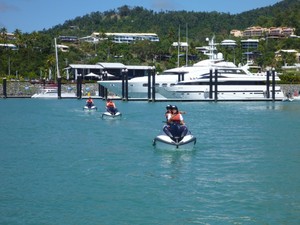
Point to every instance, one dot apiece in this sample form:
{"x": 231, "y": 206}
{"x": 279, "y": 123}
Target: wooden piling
{"x": 216, "y": 85}
{"x": 4, "y": 87}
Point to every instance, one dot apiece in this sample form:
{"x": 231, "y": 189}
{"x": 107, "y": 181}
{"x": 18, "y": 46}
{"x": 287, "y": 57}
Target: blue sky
{"x": 35, "y": 15}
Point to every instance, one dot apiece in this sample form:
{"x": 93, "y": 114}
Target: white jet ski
{"x": 90, "y": 108}
{"x": 175, "y": 136}
{"x": 111, "y": 114}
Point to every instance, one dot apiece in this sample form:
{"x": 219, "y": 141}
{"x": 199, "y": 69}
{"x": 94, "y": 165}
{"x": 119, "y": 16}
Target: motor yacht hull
{"x": 224, "y": 92}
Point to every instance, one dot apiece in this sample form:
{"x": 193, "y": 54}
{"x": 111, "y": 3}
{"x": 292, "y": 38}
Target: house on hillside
{"x": 121, "y": 37}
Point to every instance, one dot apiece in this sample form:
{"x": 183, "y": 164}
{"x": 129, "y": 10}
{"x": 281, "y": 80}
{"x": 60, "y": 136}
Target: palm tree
{"x": 50, "y": 63}
{"x": 3, "y": 35}
{"x": 4, "y": 40}
{"x": 19, "y": 38}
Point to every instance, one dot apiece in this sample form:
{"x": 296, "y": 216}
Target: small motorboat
{"x": 51, "y": 93}
{"x": 286, "y": 99}
{"x": 90, "y": 108}
{"x": 175, "y": 136}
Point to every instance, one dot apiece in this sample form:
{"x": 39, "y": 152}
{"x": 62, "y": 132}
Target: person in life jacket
{"x": 89, "y": 102}
{"x": 175, "y": 125}
{"x": 175, "y": 116}
{"x": 168, "y": 111}
{"x": 111, "y": 107}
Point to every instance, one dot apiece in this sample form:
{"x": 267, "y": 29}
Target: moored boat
{"x": 138, "y": 86}
{"x": 52, "y": 92}
{"x": 289, "y": 97}
{"x": 230, "y": 86}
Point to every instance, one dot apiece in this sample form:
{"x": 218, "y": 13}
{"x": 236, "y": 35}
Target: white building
{"x": 63, "y": 48}
{"x": 250, "y": 43}
{"x": 121, "y": 37}
{"x": 228, "y": 43}
{"x": 11, "y": 46}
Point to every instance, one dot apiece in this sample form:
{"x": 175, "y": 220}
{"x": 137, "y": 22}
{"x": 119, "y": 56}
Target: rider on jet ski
{"x": 175, "y": 127}
{"x": 175, "y": 116}
{"x": 111, "y": 107}
{"x": 169, "y": 111}
{"x": 89, "y": 102}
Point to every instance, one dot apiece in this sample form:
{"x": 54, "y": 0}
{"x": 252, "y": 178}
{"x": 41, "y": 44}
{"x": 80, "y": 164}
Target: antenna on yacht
{"x": 211, "y": 48}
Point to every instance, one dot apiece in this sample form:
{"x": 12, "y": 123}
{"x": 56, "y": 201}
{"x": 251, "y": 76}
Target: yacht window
{"x": 164, "y": 85}
{"x": 145, "y": 85}
{"x": 172, "y": 84}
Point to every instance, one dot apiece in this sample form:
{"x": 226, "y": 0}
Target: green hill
{"x": 35, "y": 54}
{"x": 166, "y": 23}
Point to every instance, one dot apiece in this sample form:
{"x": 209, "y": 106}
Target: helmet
{"x": 168, "y": 107}
{"x": 174, "y": 107}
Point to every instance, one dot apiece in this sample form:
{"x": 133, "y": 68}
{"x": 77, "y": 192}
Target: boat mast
{"x": 56, "y": 59}
{"x": 178, "y": 46}
{"x": 187, "y": 47}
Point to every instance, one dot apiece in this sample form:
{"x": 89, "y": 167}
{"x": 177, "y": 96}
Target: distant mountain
{"x": 166, "y": 23}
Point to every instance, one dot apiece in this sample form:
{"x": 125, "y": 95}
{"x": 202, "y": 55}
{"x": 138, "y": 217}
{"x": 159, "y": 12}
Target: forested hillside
{"x": 166, "y": 23}
{"x": 35, "y": 54}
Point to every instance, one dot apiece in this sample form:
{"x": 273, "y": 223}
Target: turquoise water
{"x": 61, "y": 165}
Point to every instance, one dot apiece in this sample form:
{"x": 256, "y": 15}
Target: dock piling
{"x": 268, "y": 84}
{"x": 273, "y": 84}
{"x": 216, "y": 85}
{"x": 4, "y": 87}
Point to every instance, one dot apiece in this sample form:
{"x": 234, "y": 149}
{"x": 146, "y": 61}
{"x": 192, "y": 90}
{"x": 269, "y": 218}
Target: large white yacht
{"x": 138, "y": 86}
{"x": 232, "y": 84}
{"x": 171, "y": 83}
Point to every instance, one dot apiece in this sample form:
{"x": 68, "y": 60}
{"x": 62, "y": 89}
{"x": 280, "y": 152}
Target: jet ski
{"x": 90, "y": 108}
{"x": 111, "y": 114}
{"x": 175, "y": 136}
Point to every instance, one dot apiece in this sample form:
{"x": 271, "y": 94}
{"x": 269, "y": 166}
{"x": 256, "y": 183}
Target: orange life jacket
{"x": 110, "y": 104}
{"x": 176, "y": 118}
